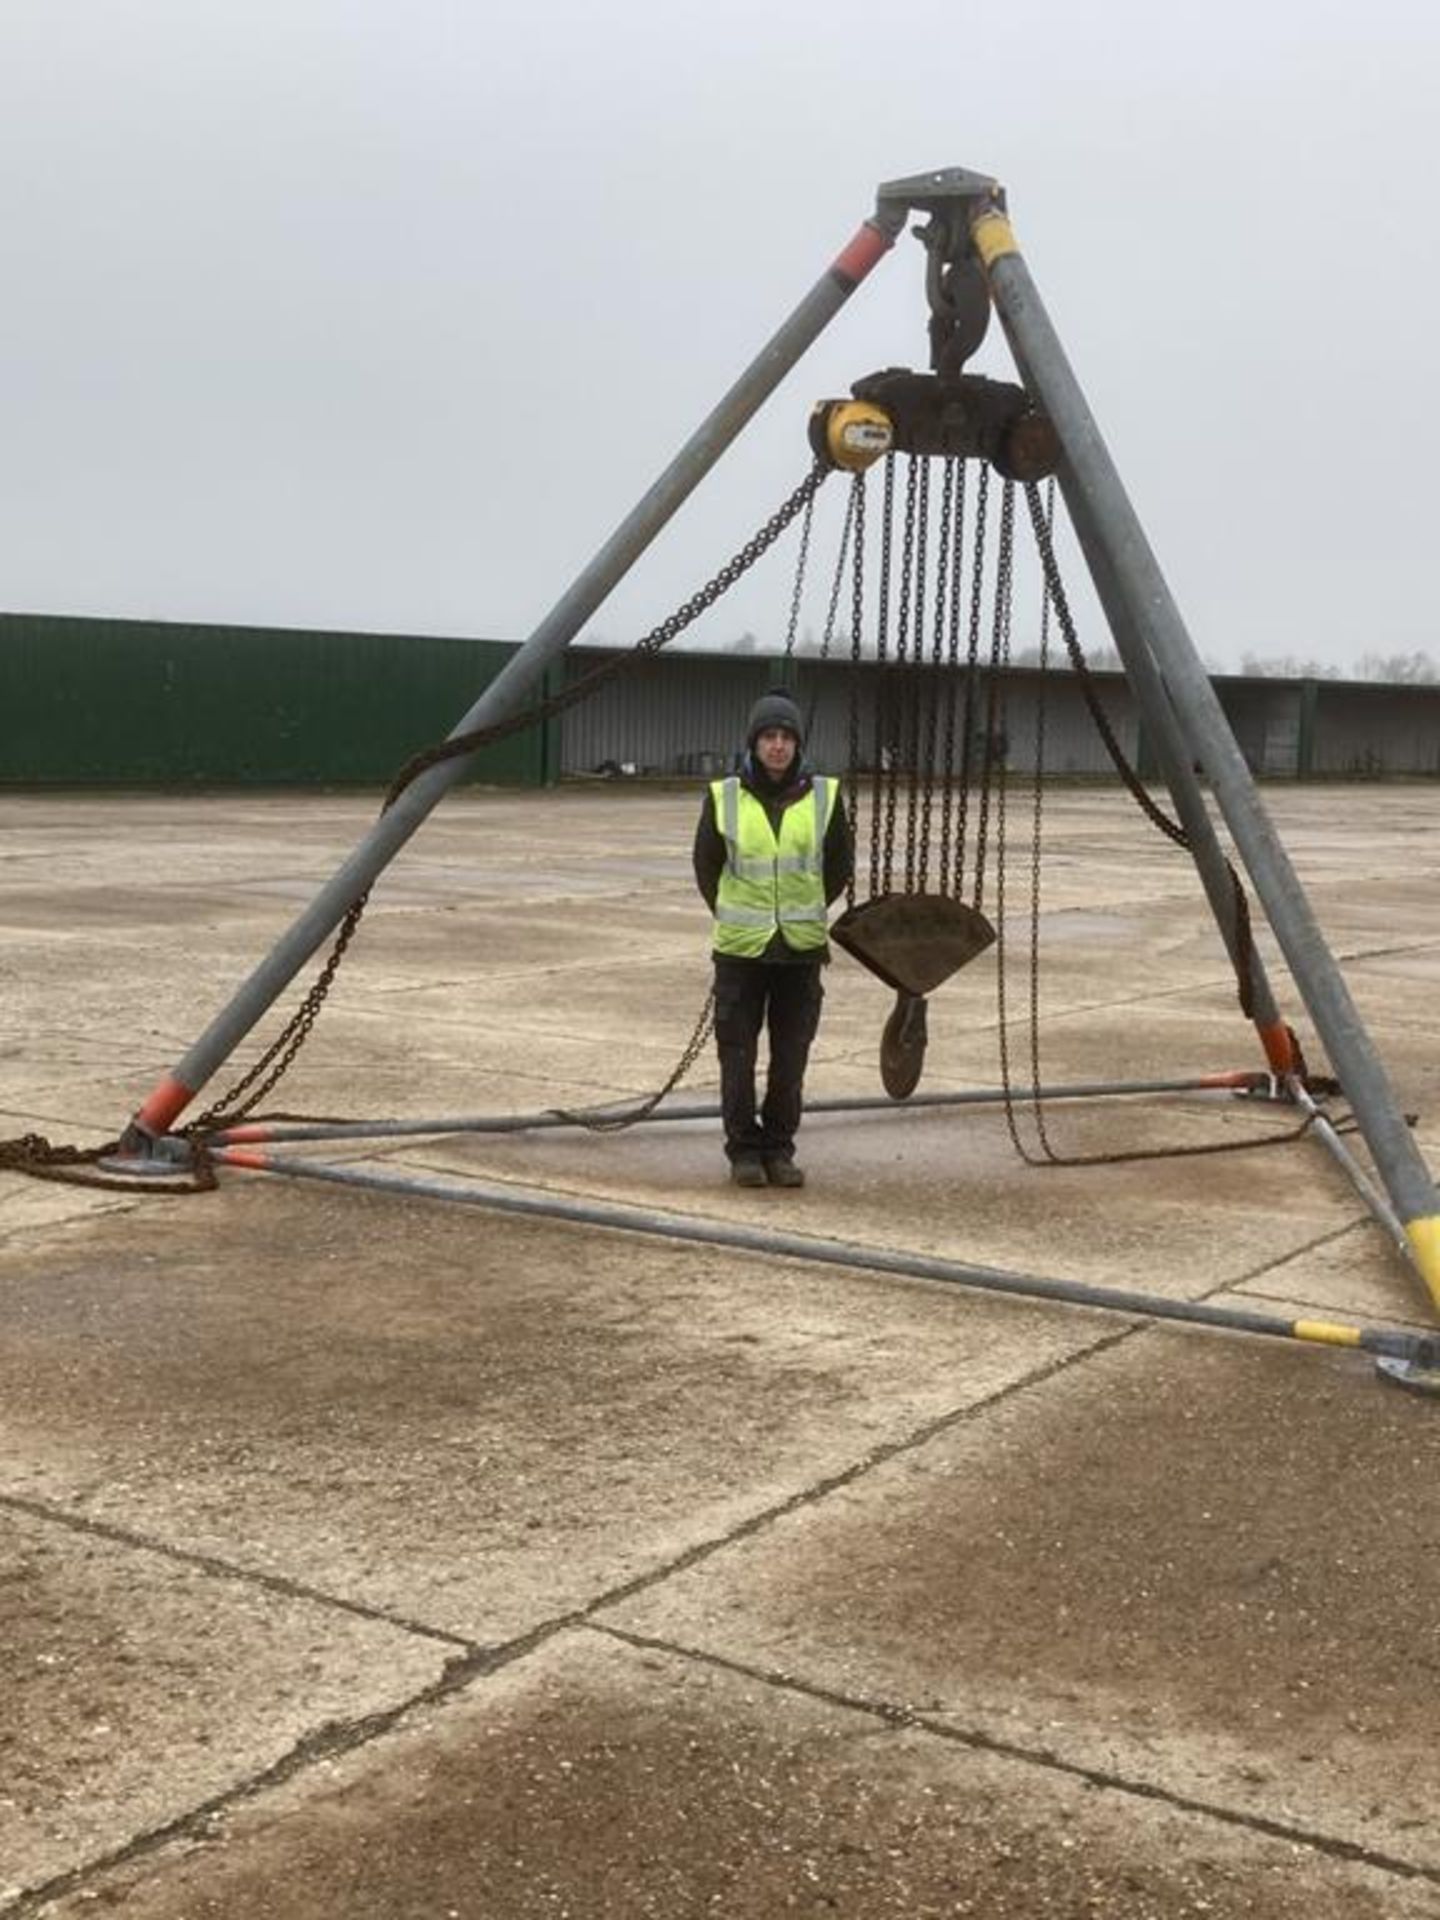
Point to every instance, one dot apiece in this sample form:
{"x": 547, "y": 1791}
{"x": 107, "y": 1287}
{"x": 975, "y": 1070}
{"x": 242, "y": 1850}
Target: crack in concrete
{"x": 275, "y": 1583}
{"x": 473, "y": 1661}
{"x": 896, "y": 1715}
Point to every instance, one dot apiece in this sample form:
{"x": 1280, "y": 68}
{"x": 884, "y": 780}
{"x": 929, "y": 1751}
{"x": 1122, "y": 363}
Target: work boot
{"x": 781, "y": 1171}
{"x": 748, "y": 1170}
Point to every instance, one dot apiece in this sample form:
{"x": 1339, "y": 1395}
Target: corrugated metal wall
{"x": 685, "y": 714}
{"x": 1370, "y": 731}
{"x": 120, "y": 702}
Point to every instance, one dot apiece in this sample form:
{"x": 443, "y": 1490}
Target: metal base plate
{"x": 1410, "y": 1374}
{"x": 166, "y": 1158}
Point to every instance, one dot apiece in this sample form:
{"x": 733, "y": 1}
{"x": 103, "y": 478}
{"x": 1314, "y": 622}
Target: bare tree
{"x": 1399, "y": 669}
{"x": 1286, "y": 666}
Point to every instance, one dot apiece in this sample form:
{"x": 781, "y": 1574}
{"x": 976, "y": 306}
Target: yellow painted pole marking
{"x": 1424, "y": 1238}
{"x": 1327, "y": 1331}
{"x": 993, "y": 237}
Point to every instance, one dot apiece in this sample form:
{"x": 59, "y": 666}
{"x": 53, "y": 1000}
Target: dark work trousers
{"x": 784, "y": 996}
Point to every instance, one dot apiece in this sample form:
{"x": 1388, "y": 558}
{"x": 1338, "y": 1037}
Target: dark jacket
{"x": 839, "y": 851}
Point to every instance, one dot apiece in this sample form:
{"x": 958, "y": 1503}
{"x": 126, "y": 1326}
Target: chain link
{"x": 832, "y": 610}
{"x": 992, "y": 752}
{"x": 608, "y": 1120}
{"x": 797, "y": 589}
{"x": 1243, "y": 958}
{"x": 896, "y": 745}
{"x": 952, "y": 677}
{"x": 931, "y": 684}
{"x": 972, "y": 671}
{"x": 880, "y": 870}
{"x": 1042, "y": 523}
{"x": 43, "y": 1159}
{"x": 242, "y": 1098}
{"x": 857, "y": 632}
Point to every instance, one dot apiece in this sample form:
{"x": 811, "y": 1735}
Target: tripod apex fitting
{"x": 939, "y": 191}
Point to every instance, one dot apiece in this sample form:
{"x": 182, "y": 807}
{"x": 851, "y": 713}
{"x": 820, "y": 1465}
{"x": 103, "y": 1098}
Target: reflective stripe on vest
{"x": 771, "y": 881}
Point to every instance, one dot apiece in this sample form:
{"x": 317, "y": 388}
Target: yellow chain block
{"x": 851, "y": 434}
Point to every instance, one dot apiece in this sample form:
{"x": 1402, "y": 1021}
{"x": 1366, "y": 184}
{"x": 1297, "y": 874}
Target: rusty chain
{"x": 902, "y": 653}
{"x": 994, "y": 692}
{"x": 880, "y": 875}
{"x": 972, "y": 671}
{"x": 952, "y": 677}
{"x": 797, "y": 589}
{"x": 943, "y": 599}
{"x": 41, "y": 1158}
{"x": 242, "y": 1098}
{"x": 1172, "y": 829}
{"x": 857, "y": 630}
{"x": 1042, "y": 521}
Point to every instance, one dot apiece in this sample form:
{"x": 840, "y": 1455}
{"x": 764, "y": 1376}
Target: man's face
{"x": 775, "y": 749}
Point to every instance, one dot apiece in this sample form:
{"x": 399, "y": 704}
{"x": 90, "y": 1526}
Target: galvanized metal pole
{"x": 1137, "y": 578}
{"x": 1413, "y": 1356}
{"x": 505, "y": 693}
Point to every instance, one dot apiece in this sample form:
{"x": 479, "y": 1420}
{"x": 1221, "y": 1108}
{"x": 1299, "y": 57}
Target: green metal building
{"x": 87, "y": 702}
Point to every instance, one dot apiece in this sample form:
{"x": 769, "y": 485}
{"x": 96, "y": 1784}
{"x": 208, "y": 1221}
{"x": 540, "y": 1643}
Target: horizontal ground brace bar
{"x": 1420, "y": 1349}
{"x": 280, "y": 1130}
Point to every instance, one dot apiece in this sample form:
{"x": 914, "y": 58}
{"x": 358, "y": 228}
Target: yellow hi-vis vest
{"x": 771, "y": 880}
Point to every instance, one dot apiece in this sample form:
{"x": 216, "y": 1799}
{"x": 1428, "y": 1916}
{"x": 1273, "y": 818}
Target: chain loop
{"x": 241, "y": 1099}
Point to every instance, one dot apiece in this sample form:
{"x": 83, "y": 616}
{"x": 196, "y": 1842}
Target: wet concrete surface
{"x": 365, "y": 1555}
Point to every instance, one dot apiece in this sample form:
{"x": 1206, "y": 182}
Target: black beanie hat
{"x": 774, "y": 709}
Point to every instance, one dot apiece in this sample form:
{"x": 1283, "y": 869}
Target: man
{"x": 772, "y": 852}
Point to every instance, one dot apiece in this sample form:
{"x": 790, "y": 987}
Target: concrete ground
{"x": 370, "y": 1556}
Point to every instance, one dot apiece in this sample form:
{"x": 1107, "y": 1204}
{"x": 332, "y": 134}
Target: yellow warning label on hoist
{"x": 857, "y": 434}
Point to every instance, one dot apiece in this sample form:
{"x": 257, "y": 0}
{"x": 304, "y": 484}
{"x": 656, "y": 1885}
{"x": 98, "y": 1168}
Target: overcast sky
{"x": 350, "y": 314}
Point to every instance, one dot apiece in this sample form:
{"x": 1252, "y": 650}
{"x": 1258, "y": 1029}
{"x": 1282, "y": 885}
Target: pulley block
{"x": 965, "y": 417}
{"x": 913, "y": 941}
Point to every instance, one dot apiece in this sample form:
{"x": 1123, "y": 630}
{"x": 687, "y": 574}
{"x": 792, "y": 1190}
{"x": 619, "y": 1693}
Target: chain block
{"x": 964, "y": 417}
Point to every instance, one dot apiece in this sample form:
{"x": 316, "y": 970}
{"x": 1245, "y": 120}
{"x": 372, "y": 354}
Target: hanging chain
{"x": 797, "y": 589}
{"x": 1036, "y": 830}
{"x": 896, "y": 745}
{"x": 857, "y": 631}
{"x": 1056, "y": 596}
{"x": 246, "y": 1093}
{"x": 880, "y": 871}
{"x": 915, "y": 677}
{"x": 1047, "y": 1152}
{"x": 972, "y": 668}
{"x": 832, "y": 609}
{"x": 943, "y": 601}
{"x": 1172, "y": 829}
{"x": 1042, "y": 521}
{"x": 992, "y": 768}
{"x": 613, "y": 1120}
{"x": 952, "y": 673}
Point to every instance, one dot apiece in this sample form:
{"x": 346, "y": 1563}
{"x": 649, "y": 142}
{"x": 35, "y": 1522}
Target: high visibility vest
{"x": 771, "y": 880}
